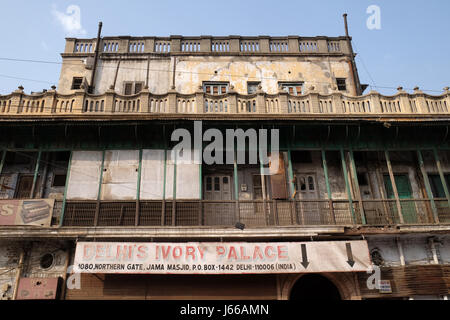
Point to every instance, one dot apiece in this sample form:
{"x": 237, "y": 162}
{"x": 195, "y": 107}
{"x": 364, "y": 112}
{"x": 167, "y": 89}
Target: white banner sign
{"x": 221, "y": 257}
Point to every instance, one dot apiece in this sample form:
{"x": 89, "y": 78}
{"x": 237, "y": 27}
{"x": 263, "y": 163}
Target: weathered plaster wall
{"x": 191, "y": 71}
{"x": 72, "y": 67}
{"x": 416, "y": 249}
{"x": 9, "y": 262}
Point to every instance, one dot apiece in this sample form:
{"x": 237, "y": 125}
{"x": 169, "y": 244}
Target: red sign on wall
{"x": 37, "y": 289}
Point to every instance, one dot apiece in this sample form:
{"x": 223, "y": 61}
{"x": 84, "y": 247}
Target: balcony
{"x": 282, "y": 105}
{"x": 201, "y": 45}
{"x": 253, "y": 213}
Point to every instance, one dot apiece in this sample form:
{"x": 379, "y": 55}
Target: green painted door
{"x": 404, "y": 192}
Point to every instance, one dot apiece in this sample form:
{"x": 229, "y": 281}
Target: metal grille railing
{"x": 253, "y": 213}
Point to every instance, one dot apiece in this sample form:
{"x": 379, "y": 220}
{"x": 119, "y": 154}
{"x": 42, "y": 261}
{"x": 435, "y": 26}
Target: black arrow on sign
{"x": 350, "y": 260}
{"x": 305, "y": 262}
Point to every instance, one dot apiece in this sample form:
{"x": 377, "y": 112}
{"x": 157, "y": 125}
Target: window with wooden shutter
{"x": 278, "y": 180}
{"x": 293, "y": 88}
{"x": 128, "y": 88}
{"x": 341, "y": 84}
{"x": 138, "y": 87}
{"x": 76, "y": 83}
{"x": 252, "y": 87}
{"x": 215, "y": 88}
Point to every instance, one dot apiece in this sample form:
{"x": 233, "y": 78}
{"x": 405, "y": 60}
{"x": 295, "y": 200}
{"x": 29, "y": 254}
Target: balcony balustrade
{"x": 80, "y": 103}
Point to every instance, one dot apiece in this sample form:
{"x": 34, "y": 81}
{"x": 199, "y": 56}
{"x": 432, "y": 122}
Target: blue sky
{"x": 412, "y": 48}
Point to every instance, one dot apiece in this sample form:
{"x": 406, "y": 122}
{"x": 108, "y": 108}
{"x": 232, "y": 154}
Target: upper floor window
{"x": 76, "y": 83}
{"x": 215, "y": 87}
{"x": 252, "y": 87}
{"x": 293, "y": 88}
{"x": 130, "y": 87}
{"x": 341, "y": 84}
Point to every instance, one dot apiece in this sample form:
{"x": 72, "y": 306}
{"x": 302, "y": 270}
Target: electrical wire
{"x": 192, "y": 72}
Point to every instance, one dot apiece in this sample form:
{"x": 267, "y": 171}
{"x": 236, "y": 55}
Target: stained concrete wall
{"x": 9, "y": 262}
{"x": 416, "y": 249}
{"x": 32, "y": 267}
{"x": 191, "y": 71}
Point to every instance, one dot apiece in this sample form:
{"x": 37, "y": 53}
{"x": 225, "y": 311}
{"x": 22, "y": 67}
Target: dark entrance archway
{"x": 314, "y": 286}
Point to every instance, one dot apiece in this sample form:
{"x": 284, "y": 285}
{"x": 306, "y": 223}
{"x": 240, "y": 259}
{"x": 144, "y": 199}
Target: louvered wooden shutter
{"x": 278, "y": 180}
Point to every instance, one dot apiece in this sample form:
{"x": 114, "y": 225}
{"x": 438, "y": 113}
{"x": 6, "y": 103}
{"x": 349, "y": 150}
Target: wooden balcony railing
{"x": 51, "y": 103}
{"x": 252, "y": 213}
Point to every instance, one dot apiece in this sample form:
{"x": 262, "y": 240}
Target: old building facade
{"x": 89, "y": 182}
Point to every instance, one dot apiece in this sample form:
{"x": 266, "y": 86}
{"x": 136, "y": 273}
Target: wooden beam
{"x": 356, "y": 184}
{"x": 441, "y": 174}
{"x": 394, "y": 186}
{"x": 63, "y": 209}
{"x": 347, "y": 185}
{"x": 36, "y": 173}
{"x": 427, "y": 186}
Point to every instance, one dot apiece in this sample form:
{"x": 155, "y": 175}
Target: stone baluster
{"x": 421, "y": 103}
{"x": 16, "y": 100}
{"x": 232, "y": 98}
{"x": 375, "y": 102}
{"x": 145, "y": 98}
{"x": 293, "y": 44}
{"x": 264, "y": 44}
{"x": 175, "y": 43}
{"x": 110, "y": 97}
{"x": 172, "y": 101}
{"x": 235, "y": 44}
{"x": 322, "y": 45}
{"x": 205, "y": 43}
{"x": 314, "y": 99}
{"x": 260, "y": 100}
{"x": 199, "y": 100}
{"x": 403, "y": 97}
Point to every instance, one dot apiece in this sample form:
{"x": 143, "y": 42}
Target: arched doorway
{"x": 314, "y": 286}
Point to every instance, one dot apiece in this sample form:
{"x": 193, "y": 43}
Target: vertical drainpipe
{"x": 36, "y": 171}
{"x": 174, "y": 71}
{"x": 352, "y": 57}
{"x": 394, "y": 187}
{"x": 63, "y": 209}
{"x": 97, "y": 47}
{"x": 138, "y": 189}
{"x": 427, "y": 186}
{"x": 347, "y": 185}
{"x": 441, "y": 174}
